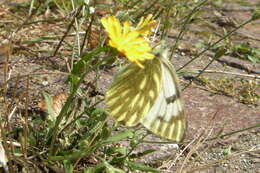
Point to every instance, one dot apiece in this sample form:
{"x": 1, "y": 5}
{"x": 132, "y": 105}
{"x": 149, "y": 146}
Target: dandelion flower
{"x": 127, "y": 41}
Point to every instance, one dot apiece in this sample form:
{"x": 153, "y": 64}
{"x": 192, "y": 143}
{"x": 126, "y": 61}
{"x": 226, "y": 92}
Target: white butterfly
{"x": 150, "y": 96}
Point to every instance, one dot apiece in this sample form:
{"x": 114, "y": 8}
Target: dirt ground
{"x": 208, "y": 113}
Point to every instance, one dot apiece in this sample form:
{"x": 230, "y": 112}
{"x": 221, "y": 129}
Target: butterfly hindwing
{"x": 166, "y": 117}
{"x": 134, "y": 91}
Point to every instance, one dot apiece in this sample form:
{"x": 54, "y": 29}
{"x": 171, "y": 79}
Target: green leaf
{"x": 188, "y": 71}
{"x": 256, "y": 15}
{"x": 101, "y": 168}
{"x": 228, "y": 151}
{"x": 200, "y": 44}
{"x": 96, "y": 125}
{"x": 243, "y": 49}
{"x": 119, "y": 136}
{"x": 112, "y": 169}
{"x": 252, "y": 59}
{"x": 220, "y": 52}
{"x": 141, "y": 154}
{"x": 140, "y": 167}
{"x": 81, "y": 66}
{"x": 74, "y": 79}
{"x": 98, "y": 168}
{"x": 76, "y": 155}
{"x": 68, "y": 166}
{"x": 116, "y": 150}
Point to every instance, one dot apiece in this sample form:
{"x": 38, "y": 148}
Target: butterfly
{"x": 149, "y": 96}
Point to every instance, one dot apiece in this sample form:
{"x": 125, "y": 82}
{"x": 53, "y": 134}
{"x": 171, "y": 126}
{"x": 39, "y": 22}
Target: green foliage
{"x": 256, "y": 14}
{"x": 242, "y": 50}
{"x": 246, "y": 52}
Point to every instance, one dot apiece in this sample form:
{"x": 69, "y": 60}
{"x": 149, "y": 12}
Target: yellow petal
{"x": 126, "y": 28}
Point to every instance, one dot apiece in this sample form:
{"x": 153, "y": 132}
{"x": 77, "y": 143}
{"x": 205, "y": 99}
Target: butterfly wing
{"x": 134, "y": 91}
{"x": 166, "y": 117}
{"x": 150, "y": 96}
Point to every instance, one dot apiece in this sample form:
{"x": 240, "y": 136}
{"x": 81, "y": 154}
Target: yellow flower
{"x": 127, "y": 41}
{"x": 145, "y": 26}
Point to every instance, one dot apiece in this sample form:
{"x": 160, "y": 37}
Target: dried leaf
{"x": 56, "y": 105}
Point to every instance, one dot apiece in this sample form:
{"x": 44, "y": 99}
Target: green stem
{"x": 234, "y": 132}
{"x": 183, "y": 29}
{"x": 65, "y": 108}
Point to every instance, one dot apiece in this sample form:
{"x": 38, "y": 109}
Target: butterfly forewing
{"x": 134, "y": 91}
{"x": 166, "y": 117}
{"x": 150, "y": 96}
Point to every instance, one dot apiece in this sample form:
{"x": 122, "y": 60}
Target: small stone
{"x": 45, "y": 83}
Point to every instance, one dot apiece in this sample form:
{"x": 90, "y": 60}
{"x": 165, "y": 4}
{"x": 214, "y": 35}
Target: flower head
{"x": 127, "y": 41}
